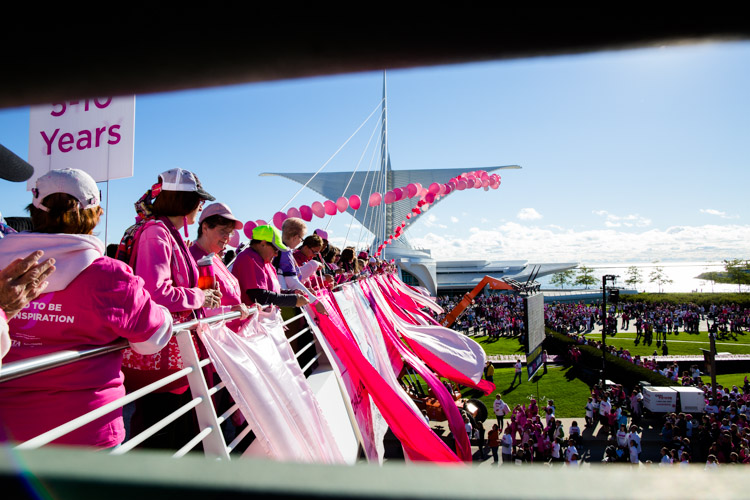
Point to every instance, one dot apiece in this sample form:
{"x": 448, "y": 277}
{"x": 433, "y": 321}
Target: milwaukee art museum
{"x": 416, "y": 264}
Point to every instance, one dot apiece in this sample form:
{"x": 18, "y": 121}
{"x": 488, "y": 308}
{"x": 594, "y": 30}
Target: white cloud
{"x": 631, "y": 220}
{"x": 454, "y": 219}
{"x": 528, "y": 214}
{"x": 719, "y": 213}
{"x": 515, "y": 241}
{"x": 431, "y": 221}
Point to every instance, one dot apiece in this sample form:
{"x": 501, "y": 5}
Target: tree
{"x": 562, "y": 278}
{"x": 658, "y": 276}
{"x": 634, "y": 276}
{"x": 738, "y": 271}
{"x": 585, "y": 277}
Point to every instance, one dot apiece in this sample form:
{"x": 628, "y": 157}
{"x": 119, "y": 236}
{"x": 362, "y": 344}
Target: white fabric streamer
{"x": 264, "y": 378}
{"x": 453, "y": 348}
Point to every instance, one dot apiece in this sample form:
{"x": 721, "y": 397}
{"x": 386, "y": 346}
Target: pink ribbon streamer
{"x": 418, "y": 440}
{"x": 416, "y": 337}
{"x": 455, "y": 422}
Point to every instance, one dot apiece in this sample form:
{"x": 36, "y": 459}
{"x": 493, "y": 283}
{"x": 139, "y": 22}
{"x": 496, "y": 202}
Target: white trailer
{"x": 669, "y": 399}
{"x": 659, "y": 399}
{"x": 692, "y": 399}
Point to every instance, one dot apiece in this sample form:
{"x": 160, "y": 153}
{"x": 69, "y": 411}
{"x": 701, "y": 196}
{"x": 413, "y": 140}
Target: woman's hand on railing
{"x": 301, "y": 298}
{"x": 243, "y": 309}
{"x": 213, "y": 298}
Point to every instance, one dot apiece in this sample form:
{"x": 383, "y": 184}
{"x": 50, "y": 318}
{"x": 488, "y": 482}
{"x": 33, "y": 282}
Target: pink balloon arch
{"x": 478, "y": 179}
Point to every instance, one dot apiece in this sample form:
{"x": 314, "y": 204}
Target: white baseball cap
{"x": 178, "y": 179}
{"x": 71, "y": 181}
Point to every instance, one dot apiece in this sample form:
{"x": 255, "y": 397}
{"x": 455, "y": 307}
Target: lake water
{"x": 682, "y": 274}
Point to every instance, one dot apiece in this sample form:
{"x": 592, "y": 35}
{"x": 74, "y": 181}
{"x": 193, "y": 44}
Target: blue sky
{"x": 627, "y": 156}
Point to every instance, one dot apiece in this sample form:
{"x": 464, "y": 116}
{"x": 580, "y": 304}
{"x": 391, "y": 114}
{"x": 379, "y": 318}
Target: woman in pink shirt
{"x": 161, "y": 257}
{"x": 90, "y": 300}
{"x": 215, "y": 228}
{"x": 257, "y": 276}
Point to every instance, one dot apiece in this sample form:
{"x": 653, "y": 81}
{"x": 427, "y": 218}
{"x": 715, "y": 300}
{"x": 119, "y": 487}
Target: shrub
{"x": 617, "y": 369}
{"x": 701, "y": 299}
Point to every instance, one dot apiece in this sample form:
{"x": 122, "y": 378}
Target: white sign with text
{"x": 95, "y": 135}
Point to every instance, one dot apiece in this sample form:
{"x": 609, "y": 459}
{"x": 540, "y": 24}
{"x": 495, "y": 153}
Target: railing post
{"x": 213, "y": 444}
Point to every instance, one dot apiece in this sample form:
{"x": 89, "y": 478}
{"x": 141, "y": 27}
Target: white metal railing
{"x": 209, "y": 422}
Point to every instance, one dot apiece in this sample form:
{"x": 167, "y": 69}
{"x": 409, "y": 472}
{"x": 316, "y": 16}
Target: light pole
{"x": 605, "y": 279}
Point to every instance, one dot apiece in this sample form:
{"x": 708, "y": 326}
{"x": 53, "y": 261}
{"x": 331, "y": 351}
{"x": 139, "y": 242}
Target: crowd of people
{"x": 532, "y": 435}
{"x": 719, "y": 436}
{"x": 495, "y": 315}
{"x": 501, "y": 314}
{"x": 652, "y": 321}
{"x": 79, "y": 296}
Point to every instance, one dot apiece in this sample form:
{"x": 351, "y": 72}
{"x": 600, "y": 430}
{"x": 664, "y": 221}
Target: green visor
{"x": 270, "y": 234}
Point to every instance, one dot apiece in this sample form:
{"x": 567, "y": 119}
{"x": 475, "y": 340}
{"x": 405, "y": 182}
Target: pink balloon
{"x": 234, "y": 239}
{"x": 412, "y": 190}
{"x": 306, "y": 213}
{"x": 420, "y": 203}
{"x": 430, "y": 197}
{"x": 375, "y": 199}
{"x": 293, "y": 212}
{"x": 461, "y": 185}
{"x": 452, "y": 185}
{"x": 389, "y": 197}
{"x": 434, "y": 188}
{"x": 355, "y": 202}
{"x": 278, "y": 219}
{"x": 318, "y": 209}
{"x": 423, "y": 192}
{"x": 342, "y": 204}
{"x": 448, "y": 189}
{"x": 330, "y": 207}
{"x": 261, "y": 222}
{"x": 408, "y": 216}
{"x": 477, "y": 183}
{"x": 417, "y": 211}
{"x": 399, "y": 192}
{"x": 485, "y": 182}
{"x": 248, "y": 229}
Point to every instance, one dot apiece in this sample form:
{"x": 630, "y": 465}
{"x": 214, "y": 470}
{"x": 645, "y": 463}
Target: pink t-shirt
{"x": 253, "y": 273}
{"x": 170, "y": 275}
{"x": 167, "y": 268}
{"x": 103, "y": 303}
{"x": 229, "y": 287}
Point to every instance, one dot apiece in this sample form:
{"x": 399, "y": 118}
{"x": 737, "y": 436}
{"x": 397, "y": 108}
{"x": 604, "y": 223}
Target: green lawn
{"x": 570, "y": 392}
{"x": 561, "y": 384}
{"x": 728, "y": 379}
{"x": 679, "y": 344}
{"x": 503, "y": 345}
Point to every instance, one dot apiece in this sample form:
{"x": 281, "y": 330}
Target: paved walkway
{"x": 594, "y": 442}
